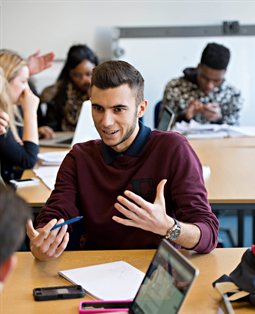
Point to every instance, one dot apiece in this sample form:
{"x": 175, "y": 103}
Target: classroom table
{"x": 230, "y": 185}
{"x": 30, "y": 273}
{"x": 232, "y": 179}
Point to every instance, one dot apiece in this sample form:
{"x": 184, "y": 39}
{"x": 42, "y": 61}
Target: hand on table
{"x": 46, "y": 132}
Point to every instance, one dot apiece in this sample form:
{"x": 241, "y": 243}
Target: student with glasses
{"x": 202, "y": 93}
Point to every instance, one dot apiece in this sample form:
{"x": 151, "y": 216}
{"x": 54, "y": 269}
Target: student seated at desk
{"x": 14, "y": 214}
{"x": 202, "y": 93}
{"x": 64, "y": 99}
{"x": 133, "y": 187}
{"x": 19, "y": 143}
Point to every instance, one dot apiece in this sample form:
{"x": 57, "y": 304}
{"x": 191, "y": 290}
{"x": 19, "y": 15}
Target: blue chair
{"x": 156, "y": 113}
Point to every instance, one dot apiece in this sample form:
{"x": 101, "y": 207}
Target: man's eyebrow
{"x": 119, "y": 106}
{"x": 114, "y": 106}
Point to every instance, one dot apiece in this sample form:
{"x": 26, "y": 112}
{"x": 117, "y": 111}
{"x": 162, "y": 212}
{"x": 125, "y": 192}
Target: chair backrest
{"x": 156, "y": 113}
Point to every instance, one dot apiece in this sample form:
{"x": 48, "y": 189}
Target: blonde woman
{"x": 19, "y": 145}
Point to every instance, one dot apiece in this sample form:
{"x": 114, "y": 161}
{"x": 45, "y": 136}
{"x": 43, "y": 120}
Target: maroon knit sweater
{"x": 93, "y": 175}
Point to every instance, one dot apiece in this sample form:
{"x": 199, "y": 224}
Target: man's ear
{"x": 142, "y": 108}
{"x": 6, "y": 267}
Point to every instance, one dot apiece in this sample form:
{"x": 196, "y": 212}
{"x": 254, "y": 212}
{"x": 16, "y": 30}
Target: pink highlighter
{"x": 101, "y": 306}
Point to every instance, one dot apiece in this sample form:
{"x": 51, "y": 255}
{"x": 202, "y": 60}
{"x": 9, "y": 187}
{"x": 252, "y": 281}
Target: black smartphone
{"x": 58, "y": 293}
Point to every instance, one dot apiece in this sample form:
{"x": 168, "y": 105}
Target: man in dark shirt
{"x": 202, "y": 93}
{"x": 133, "y": 187}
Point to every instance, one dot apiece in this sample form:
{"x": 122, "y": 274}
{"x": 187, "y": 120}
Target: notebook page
{"x": 111, "y": 281}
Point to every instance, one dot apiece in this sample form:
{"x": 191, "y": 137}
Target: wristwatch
{"x": 173, "y": 232}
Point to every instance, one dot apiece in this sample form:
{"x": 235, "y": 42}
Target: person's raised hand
{"x": 142, "y": 214}
{"x": 37, "y": 63}
{"x": 29, "y": 101}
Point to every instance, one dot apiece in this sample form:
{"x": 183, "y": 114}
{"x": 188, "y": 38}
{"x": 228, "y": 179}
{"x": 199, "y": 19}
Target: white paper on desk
{"x": 206, "y": 172}
{"x": 47, "y": 175}
{"x": 236, "y": 131}
{"x": 207, "y": 135}
{"x": 111, "y": 281}
{"x": 195, "y": 127}
{"x": 52, "y": 158}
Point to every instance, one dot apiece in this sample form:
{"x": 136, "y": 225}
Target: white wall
{"x": 56, "y": 25}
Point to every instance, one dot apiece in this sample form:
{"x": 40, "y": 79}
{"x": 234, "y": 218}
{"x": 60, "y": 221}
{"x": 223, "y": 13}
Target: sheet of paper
{"x": 207, "y": 135}
{"x": 47, "y": 175}
{"x": 111, "y": 281}
{"x": 52, "y": 158}
{"x": 235, "y": 131}
{"x": 206, "y": 172}
{"x": 195, "y": 130}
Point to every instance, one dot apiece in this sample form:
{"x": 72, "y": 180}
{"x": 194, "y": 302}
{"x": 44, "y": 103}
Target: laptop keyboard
{"x": 66, "y": 141}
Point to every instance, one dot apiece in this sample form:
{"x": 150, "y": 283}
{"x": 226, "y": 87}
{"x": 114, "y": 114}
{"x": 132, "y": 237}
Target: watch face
{"x": 175, "y": 233}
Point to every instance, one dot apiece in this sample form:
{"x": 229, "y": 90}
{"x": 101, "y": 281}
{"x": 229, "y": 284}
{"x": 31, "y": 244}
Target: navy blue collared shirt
{"x": 134, "y": 149}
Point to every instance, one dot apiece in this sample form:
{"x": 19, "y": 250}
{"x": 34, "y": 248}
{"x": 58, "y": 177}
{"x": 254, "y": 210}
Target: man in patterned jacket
{"x": 202, "y": 93}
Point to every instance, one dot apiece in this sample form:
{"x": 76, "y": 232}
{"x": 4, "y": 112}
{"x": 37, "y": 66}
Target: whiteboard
{"x": 162, "y": 59}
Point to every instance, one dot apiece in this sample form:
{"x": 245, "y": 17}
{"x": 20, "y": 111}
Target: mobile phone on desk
{"x": 24, "y": 182}
{"x": 58, "y": 293}
{"x": 100, "y": 306}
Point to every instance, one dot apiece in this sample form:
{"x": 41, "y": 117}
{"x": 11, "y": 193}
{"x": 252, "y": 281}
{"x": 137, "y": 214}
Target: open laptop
{"x": 166, "y": 282}
{"x": 167, "y": 120}
{"x": 85, "y": 130}
{"x": 163, "y": 289}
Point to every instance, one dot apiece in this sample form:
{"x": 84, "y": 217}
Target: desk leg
{"x": 240, "y": 228}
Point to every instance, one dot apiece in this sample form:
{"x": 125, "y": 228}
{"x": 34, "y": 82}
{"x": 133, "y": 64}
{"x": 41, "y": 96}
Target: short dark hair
{"x": 112, "y": 74}
{"x": 14, "y": 214}
{"x": 215, "y": 56}
{"x": 75, "y": 56}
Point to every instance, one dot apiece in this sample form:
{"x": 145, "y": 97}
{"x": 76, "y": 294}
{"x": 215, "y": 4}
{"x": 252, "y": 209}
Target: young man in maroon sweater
{"x": 133, "y": 187}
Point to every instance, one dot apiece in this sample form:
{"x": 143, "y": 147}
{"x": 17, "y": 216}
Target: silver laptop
{"x": 167, "y": 120}
{"x": 166, "y": 283}
{"x": 85, "y": 131}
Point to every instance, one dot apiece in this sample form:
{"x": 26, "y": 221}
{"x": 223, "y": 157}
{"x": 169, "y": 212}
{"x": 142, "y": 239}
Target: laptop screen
{"x": 167, "y": 119}
{"x": 166, "y": 283}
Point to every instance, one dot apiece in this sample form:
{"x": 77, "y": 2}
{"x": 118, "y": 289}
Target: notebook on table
{"x": 85, "y": 130}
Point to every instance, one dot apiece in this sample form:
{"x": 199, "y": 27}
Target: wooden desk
{"x": 37, "y": 195}
{"x": 232, "y": 180}
{"x": 29, "y": 273}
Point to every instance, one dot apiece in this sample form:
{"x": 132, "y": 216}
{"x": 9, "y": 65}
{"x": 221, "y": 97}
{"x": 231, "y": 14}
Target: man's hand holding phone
{"x": 45, "y": 243}
{"x": 194, "y": 107}
{"x": 212, "y": 112}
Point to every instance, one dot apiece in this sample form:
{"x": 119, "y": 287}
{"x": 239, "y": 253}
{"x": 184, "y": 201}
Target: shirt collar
{"x": 134, "y": 149}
